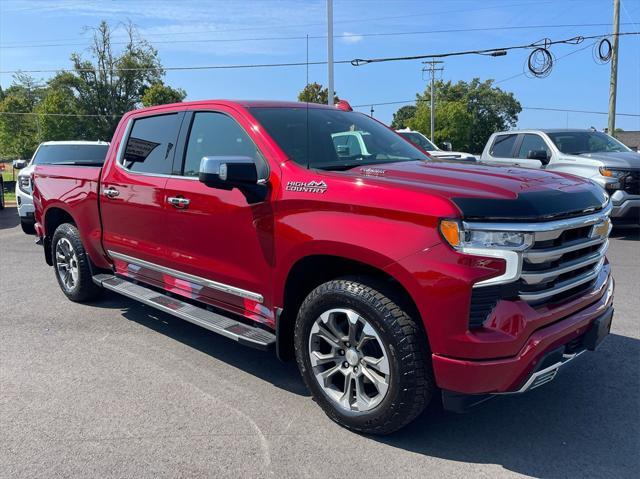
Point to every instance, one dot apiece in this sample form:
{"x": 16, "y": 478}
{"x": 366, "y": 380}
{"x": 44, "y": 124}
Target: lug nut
{"x": 347, "y": 344}
{"x": 342, "y": 352}
{"x": 345, "y": 364}
{"x": 355, "y": 369}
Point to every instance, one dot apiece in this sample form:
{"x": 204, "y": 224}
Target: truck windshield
{"x": 70, "y": 154}
{"x": 579, "y": 142}
{"x": 419, "y": 140}
{"x": 332, "y": 139}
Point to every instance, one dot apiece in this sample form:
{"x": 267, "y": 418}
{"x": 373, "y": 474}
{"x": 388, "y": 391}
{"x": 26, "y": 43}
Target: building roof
{"x": 629, "y": 138}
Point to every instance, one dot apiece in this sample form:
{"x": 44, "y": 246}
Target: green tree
{"x": 18, "y": 131}
{"x": 466, "y": 113}
{"x": 315, "y": 93}
{"x": 109, "y": 84}
{"x": 402, "y": 116}
{"x": 56, "y": 116}
{"x": 161, "y": 94}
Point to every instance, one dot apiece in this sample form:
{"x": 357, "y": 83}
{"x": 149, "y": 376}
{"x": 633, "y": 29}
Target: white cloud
{"x": 351, "y": 38}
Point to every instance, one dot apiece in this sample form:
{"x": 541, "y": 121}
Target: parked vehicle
{"x": 427, "y": 145}
{"x": 587, "y": 153}
{"x": 52, "y": 152}
{"x": 390, "y": 279}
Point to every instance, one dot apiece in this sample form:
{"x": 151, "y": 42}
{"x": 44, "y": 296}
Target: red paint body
{"x": 389, "y": 223}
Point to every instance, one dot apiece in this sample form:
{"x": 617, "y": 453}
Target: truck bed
{"x": 72, "y": 190}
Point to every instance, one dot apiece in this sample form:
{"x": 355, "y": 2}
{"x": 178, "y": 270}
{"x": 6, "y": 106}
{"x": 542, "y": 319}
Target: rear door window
{"x": 531, "y": 142}
{"x": 151, "y": 144}
{"x": 503, "y": 146}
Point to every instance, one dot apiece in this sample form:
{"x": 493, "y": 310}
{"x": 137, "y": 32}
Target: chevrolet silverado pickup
{"x": 392, "y": 278}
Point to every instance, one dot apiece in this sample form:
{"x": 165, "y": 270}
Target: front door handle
{"x": 178, "y": 201}
{"x": 110, "y": 192}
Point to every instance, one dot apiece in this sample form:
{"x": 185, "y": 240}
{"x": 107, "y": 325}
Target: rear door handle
{"x": 110, "y": 192}
{"x": 178, "y": 201}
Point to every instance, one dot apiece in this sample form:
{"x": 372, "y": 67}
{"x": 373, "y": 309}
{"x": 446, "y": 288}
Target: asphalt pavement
{"x": 117, "y": 389}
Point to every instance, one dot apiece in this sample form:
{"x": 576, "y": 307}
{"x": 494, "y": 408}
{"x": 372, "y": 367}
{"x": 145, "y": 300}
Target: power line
{"x": 541, "y": 44}
{"x": 202, "y": 67}
{"x": 567, "y": 110}
{"x": 316, "y": 37}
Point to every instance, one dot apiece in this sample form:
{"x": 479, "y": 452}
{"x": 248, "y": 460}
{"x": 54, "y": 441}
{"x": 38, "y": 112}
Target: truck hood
{"x": 616, "y": 159}
{"x": 493, "y": 193}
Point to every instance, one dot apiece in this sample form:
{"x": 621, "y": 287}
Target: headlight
{"x": 24, "y": 184}
{"x": 504, "y": 245}
{"x": 461, "y": 240}
{"x": 612, "y": 173}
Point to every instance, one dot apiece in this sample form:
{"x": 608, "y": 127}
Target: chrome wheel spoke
{"x": 378, "y": 381}
{"x": 380, "y": 364}
{"x": 319, "y": 359}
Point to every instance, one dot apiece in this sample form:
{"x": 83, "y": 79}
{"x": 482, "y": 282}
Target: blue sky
{"x": 231, "y": 28}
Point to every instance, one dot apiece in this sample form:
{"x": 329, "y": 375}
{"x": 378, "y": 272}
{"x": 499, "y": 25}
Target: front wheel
{"x": 364, "y": 359}
{"x": 71, "y": 265}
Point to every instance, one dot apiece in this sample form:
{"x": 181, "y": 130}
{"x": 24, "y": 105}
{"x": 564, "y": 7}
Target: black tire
{"x": 83, "y": 289}
{"x": 1, "y": 193}
{"x": 411, "y": 383}
{"x": 27, "y": 227}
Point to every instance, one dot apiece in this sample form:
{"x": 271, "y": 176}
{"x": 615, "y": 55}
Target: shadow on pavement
{"x": 586, "y": 423}
{"x": 264, "y": 365}
{"x": 9, "y": 218}
{"x": 626, "y": 233}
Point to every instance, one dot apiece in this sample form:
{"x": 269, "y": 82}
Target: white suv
{"x": 52, "y": 152}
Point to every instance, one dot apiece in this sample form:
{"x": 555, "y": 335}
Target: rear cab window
{"x": 150, "y": 146}
{"x": 503, "y": 146}
{"x": 71, "y": 154}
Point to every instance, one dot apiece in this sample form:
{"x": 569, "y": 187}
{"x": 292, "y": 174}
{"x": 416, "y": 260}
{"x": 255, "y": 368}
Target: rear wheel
{"x": 71, "y": 265}
{"x": 363, "y": 357}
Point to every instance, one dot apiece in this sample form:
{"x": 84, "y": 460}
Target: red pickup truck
{"x": 390, "y": 276}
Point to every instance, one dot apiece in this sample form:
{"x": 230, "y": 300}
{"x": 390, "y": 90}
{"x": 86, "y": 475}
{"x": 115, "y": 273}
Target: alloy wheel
{"x": 349, "y": 360}
{"x": 67, "y": 264}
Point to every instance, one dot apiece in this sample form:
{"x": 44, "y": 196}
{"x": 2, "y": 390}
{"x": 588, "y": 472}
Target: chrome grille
{"x": 563, "y": 261}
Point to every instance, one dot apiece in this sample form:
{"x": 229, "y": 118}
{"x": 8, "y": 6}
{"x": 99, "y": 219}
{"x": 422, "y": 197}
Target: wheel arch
{"x": 53, "y": 218}
{"x": 313, "y": 270}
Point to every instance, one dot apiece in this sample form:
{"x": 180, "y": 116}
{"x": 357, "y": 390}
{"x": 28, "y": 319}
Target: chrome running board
{"x": 223, "y": 325}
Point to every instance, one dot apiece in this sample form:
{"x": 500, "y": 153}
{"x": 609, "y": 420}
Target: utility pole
{"x": 431, "y": 68}
{"x": 613, "y": 85}
{"x": 330, "y": 50}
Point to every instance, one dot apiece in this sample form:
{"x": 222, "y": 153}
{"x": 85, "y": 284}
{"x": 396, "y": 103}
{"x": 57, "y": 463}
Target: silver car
{"x": 587, "y": 153}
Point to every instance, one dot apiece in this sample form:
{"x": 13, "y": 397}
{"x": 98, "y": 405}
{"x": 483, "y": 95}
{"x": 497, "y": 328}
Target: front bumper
{"x": 25, "y": 205}
{"x": 625, "y": 206}
{"x": 514, "y": 374}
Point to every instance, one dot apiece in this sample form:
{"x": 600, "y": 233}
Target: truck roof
{"x": 75, "y": 142}
{"x": 544, "y": 130}
{"x": 242, "y": 103}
